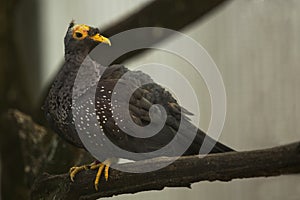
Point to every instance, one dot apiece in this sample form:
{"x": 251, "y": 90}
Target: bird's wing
{"x": 117, "y": 125}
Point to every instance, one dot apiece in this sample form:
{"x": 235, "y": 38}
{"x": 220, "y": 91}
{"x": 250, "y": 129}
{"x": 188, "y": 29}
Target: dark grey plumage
{"x": 58, "y": 103}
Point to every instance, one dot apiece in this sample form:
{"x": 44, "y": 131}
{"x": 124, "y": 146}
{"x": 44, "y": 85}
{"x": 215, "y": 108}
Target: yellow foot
{"x": 74, "y": 170}
{"x": 101, "y": 166}
{"x": 105, "y": 165}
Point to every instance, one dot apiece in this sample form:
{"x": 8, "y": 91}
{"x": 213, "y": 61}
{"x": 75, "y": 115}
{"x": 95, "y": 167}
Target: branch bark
{"x": 181, "y": 173}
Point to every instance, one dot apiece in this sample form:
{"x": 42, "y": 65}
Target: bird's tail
{"x": 203, "y": 144}
{"x": 217, "y": 146}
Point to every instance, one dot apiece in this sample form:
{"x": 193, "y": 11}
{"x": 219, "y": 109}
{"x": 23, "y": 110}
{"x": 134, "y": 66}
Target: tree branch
{"x": 182, "y": 173}
{"x": 159, "y": 14}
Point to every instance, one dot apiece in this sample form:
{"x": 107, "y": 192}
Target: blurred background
{"x": 255, "y": 44}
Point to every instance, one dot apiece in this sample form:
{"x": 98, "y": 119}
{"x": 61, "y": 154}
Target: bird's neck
{"x": 76, "y": 57}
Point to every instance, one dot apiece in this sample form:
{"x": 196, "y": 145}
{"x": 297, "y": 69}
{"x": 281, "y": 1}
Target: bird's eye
{"x": 78, "y": 35}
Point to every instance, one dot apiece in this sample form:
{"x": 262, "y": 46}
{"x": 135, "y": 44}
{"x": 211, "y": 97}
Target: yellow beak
{"x": 100, "y": 38}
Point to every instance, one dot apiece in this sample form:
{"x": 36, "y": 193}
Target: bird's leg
{"x": 105, "y": 165}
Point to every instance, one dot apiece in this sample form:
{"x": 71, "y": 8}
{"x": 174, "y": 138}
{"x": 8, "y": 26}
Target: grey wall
{"x": 255, "y": 44}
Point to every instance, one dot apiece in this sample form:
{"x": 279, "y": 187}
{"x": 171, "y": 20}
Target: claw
{"x": 101, "y": 166}
{"x": 96, "y": 182}
{"x": 74, "y": 170}
{"x": 106, "y": 171}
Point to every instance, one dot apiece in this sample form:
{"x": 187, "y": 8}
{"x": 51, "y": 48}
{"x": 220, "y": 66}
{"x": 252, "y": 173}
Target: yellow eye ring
{"x": 80, "y": 32}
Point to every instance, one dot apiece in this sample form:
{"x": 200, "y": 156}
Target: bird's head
{"x": 81, "y": 39}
